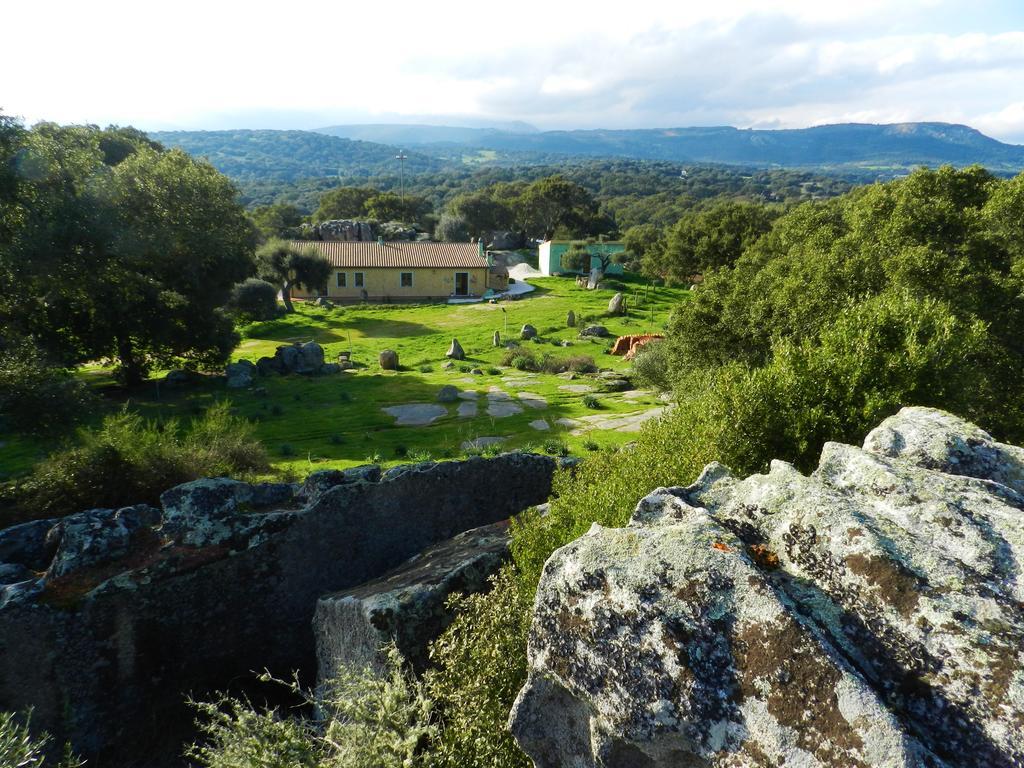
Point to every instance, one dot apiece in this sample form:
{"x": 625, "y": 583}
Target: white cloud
{"x": 556, "y": 64}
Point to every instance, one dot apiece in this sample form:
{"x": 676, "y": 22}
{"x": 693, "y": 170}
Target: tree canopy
{"x": 116, "y": 248}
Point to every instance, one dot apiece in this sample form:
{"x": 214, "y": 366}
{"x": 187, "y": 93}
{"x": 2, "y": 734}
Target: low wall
{"x": 222, "y": 586}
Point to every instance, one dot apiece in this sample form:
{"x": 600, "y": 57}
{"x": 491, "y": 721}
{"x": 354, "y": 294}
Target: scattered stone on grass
{"x": 497, "y": 339}
{"x": 570, "y": 319}
{"x": 620, "y": 422}
{"x": 617, "y": 305}
{"x": 455, "y": 351}
{"x": 469, "y": 394}
{"x": 388, "y": 360}
{"x": 415, "y": 414}
{"x": 528, "y": 332}
{"x": 637, "y": 394}
{"x": 540, "y": 425}
{"x": 467, "y": 409}
{"x": 533, "y": 400}
{"x": 577, "y": 389}
{"x": 567, "y": 423}
{"x": 448, "y": 394}
{"x": 595, "y": 330}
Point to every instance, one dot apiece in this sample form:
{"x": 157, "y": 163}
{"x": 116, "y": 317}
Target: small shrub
{"x": 129, "y": 460}
{"x": 401, "y": 451}
{"x": 36, "y": 397}
{"x": 20, "y": 748}
{"x": 287, "y": 449}
{"x": 465, "y": 368}
{"x": 420, "y": 456}
{"x": 555, "y": 448}
{"x": 651, "y": 367}
{"x": 591, "y": 401}
{"x": 370, "y": 719}
{"x": 374, "y": 458}
{"x": 494, "y": 372}
{"x": 426, "y": 368}
{"x": 254, "y": 300}
{"x": 590, "y": 445}
{"x": 521, "y": 359}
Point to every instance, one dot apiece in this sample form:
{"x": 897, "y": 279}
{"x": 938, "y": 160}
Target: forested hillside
{"x": 291, "y": 155}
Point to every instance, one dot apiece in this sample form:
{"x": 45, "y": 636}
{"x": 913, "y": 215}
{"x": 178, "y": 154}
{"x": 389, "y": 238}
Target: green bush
{"x": 526, "y": 360}
{"x": 36, "y": 397}
{"x": 591, "y": 401}
{"x": 254, "y": 300}
{"x": 19, "y": 748}
{"x": 651, "y": 367}
{"x": 129, "y": 460}
{"x": 370, "y": 719}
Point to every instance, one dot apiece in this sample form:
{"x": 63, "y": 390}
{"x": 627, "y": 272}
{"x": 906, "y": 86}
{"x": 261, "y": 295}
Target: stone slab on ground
{"x": 406, "y": 605}
{"x": 637, "y": 394}
{"x": 533, "y": 400}
{"x": 540, "y": 425}
{"x": 467, "y": 409}
{"x": 415, "y": 414}
{"x": 567, "y": 423}
{"x": 577, "y": 389}
{"x": 620, "y": 422}
{"x": 468, "y": 394}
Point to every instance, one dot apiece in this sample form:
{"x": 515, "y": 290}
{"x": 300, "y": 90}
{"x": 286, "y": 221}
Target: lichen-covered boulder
{"x": 310, "y": 359}
{"x": 388, "y": 360}
{"x": 96, "y": 537}
{"x": 527, "y": 332}
{"x": 215, "y": 510}
{"x": 870, "y": 614}
{"x": 240, "y": 374}
{"x": 570, "y": 319}
{"x": 448, "y": 394}
{"x": 598, "y": 331}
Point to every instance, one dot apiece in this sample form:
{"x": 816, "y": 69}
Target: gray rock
{"x": 324, "y": 302}
{"x": 97, "y": 537}
{"x": 455, "y": 351}
{"x": 570, "y": 319}
{"x": 344, "y": 230}
{"x": 13, "y": 573}
{"x": 595, "y": 330}
{"x": 388, "y": 359}
{"x": 27, "y": 544}
{"x": 269, "y": 366}
{"x": 345, "y": 365}
{"x": 289, "y": 358}
{"x": 617, "y": 304}
{"x": 866, "y": 615}
{"x": 407, "y": 605}
{"x": 476, "y": 371}
{"x": 318, "y": 483}
{"x": 328, "y": 369}
{"x": 448, "y": 394}
{"x": 240, "y": 374}
{"x": 616, "y": 385}
{"x": 215, "y": 510}
{"x": 448, "y": 366}
{"x": 528, "y": 332}
{"x": 179, "y": 377}
{"x": 496, "y": 339}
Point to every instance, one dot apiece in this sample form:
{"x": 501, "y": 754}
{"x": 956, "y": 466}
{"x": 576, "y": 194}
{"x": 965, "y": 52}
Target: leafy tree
{"x": 555, "y": 203}
{"x": 580, "y": 256}
{"x": 645, "y": 246}
{"x": 254, "y": 299}
{"x": 387, "y": 206}
{"x": 344, "y": 203}
{"x": 715, "y": 237}
{"x": 36, "y": 396}
{"x": 451, "y": 228}
{"x": 131, "y": 261}
{"x": 277, "y": 220}
{"x": 286, "y": 265}
{"x": 482, "y": 213}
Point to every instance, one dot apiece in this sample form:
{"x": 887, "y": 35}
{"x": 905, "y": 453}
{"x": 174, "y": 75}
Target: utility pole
{"x": 401, "y": 157}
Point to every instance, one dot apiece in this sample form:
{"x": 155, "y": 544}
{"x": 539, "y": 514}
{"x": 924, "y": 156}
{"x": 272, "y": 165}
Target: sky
{"x": 554, "y": 64}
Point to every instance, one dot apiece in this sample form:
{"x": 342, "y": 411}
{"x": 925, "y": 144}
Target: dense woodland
{"x": 815, "y": 319}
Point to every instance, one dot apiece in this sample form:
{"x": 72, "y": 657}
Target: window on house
{"x": 406, "y": 280}
{"x": 342, "y": 279}
{"x": 359, "y": 279}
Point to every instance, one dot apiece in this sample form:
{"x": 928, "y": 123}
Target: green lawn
{"x": 336, "y": 421}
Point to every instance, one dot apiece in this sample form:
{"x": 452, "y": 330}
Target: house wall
{"x": 550, "y": 256}
{"x": 383, "y": 284}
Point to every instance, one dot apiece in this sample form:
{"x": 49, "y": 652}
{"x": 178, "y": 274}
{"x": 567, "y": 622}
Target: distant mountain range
{"x": 369, "y": 150}
{"x": 900, "y": 145}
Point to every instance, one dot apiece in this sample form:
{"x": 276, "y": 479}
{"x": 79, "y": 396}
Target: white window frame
{"x": 342, "y": 280}
{"x": 401, "y": 277}
{"x": 360, "y": 279}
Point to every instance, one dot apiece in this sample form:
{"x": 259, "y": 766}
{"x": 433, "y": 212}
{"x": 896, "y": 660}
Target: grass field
{"x": 337, "y": 421}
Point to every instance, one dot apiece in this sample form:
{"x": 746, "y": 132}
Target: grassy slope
{"x": 337, "y": 421}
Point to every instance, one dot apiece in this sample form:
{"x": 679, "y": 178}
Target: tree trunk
{"x": 131, "y": 370}
{"x": 286, "y": 296}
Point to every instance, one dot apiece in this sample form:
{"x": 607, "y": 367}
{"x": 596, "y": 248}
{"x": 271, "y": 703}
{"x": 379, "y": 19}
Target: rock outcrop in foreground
{"x": 110, "y": 618}
{"x": 869, "y": 615}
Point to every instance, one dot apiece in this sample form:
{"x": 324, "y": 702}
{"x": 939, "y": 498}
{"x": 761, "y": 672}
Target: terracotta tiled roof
{"x": 398, "y": 254}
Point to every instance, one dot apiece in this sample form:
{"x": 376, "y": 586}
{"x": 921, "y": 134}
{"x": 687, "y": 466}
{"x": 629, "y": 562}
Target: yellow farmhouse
{"x": 401, "y": 271}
